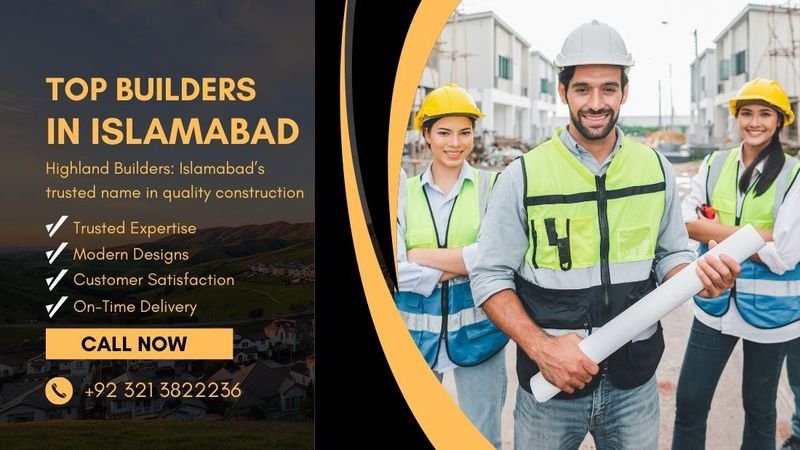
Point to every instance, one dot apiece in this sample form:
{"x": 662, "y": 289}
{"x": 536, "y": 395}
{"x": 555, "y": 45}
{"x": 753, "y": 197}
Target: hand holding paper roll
{"x": 650, "y": 309}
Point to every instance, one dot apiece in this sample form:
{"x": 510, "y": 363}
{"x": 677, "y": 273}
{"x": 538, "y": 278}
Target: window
{"x": 504, "y": 67}
{"x": 703, "y": 86}
{"x": 739, "y": 63}
{"x": 724, "y": 69}
{"x": 546, "y": 86}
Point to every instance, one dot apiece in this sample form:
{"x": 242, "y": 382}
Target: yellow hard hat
{"x": 445, "y": 101}
{"x": 766, "y": 90}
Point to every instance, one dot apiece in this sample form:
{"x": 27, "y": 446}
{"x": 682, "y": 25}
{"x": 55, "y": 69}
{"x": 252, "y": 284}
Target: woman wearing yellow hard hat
{"x": 755, "y": 183}
{"x": 439, "y": 218}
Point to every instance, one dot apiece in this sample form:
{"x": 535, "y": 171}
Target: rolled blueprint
{"x": 655, "y": 305}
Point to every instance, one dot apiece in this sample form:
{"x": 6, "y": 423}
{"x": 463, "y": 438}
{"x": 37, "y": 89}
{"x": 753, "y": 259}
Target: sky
{"x": 655, "y": 45}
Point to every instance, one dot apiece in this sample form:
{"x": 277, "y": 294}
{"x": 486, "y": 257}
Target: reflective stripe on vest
{"x": 471, "y": 337}
{"x": 764, "y": 299}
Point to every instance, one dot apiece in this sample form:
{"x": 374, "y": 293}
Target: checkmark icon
{"x": 52, "y": 282}
{"x": 53, "y": 227}
{"x": 53, "y": 254}
{"x": 53, "y": 309}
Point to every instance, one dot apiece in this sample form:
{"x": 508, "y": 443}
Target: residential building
{"x": 544, "y": 95}
{"x": 292, "y": 394}
{"x": 184, "y": 409}
{"x": 761, "y": 41}
{"x": 12, "y": 365}
{"x": 26, "y": 402}
{"x": 242, "y": 341}
{"x": 284, "y": 331}
{"x": 38, "y": 366}
{"x": 703, "y": 93}
{"x": 245, "y": 356}
{"x": 491, "y": 60}
{"x": 123, "y": 407}
{"x": 268, "y": 389}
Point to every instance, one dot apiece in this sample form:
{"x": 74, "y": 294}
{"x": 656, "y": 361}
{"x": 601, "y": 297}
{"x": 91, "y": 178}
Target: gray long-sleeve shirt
{"x": 504, "y": 232}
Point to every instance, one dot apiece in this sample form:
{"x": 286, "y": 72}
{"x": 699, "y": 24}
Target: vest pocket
{"x": 564, "y": 309}
{"x": 771, "y": 308}
{"x": 563, "y": 243}
{"x": 633, "y": 244}
{"x": 725, "y": 207}
{"x": 636, "y": 362}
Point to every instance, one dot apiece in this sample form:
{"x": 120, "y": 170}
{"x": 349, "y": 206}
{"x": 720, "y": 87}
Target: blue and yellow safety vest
{"x": 449, "y": 314}
{"x": 763, "y": 298}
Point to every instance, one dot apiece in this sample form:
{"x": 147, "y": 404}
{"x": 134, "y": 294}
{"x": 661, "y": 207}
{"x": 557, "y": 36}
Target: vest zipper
{"x": 602, "y": 213}
{"x": 445, "y": 284}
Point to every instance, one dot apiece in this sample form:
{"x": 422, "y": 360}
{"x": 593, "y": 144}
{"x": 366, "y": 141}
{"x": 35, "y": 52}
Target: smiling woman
{"x": 438, "y": 222}
{"x": 745, "y": 185}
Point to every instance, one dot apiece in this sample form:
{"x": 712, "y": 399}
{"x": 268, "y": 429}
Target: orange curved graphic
{"x": 438, "y": 415}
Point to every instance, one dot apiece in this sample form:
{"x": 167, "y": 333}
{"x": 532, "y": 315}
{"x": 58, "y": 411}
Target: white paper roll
{"x": 655, "y": 305}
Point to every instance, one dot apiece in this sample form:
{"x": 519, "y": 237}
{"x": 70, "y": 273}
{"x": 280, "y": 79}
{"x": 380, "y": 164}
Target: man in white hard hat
{"x": 576, "y": 231}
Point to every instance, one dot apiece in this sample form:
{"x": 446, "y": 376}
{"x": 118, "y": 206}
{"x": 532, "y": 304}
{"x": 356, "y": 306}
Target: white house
{"x": 11, "y": 365}
{"x": 491, "y": 60}
{"x": 544, "y": 95}
{"x": 703, "y": 94}
{"x": 292, "y": 394}
{"x": 26, "y": 402}
{"x": 246, "y": 355}
{"x": 759, "y": 42}
{"x": 242, "y": 341}
{"x": 283, "y": 331}
{"x": 39, "y": 366}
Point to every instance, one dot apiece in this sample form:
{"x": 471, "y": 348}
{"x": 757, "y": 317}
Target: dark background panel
{"x": 355, "y": 384}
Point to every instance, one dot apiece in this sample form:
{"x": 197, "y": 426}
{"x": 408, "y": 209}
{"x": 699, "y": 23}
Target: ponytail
{"x": 773, "y": 154}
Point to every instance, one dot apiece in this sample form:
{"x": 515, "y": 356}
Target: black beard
{"x": 590, "y": 134}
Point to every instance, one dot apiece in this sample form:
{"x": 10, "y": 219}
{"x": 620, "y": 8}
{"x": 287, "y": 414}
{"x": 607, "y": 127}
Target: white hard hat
{"x": 593, "y": 43}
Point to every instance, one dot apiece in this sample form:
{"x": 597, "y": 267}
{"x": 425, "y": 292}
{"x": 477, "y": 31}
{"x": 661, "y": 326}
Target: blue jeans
{"x": 481, "y": 393}
{"x": 616, "y": 418}
{"x": 793, "y": 370}
{"x": 707, "y": 352}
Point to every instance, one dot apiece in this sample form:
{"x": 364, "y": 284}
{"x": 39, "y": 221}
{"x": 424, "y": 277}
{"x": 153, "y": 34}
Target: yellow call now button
{"x": 139, "y": 343}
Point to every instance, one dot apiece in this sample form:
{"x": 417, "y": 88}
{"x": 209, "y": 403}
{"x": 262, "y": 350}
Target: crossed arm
{"x": 706, "y": 230}
{"x": 449, "y": 260}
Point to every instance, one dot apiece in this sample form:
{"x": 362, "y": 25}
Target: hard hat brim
{"x": 734, "y": 103}
{"x": 421, "y": 122}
